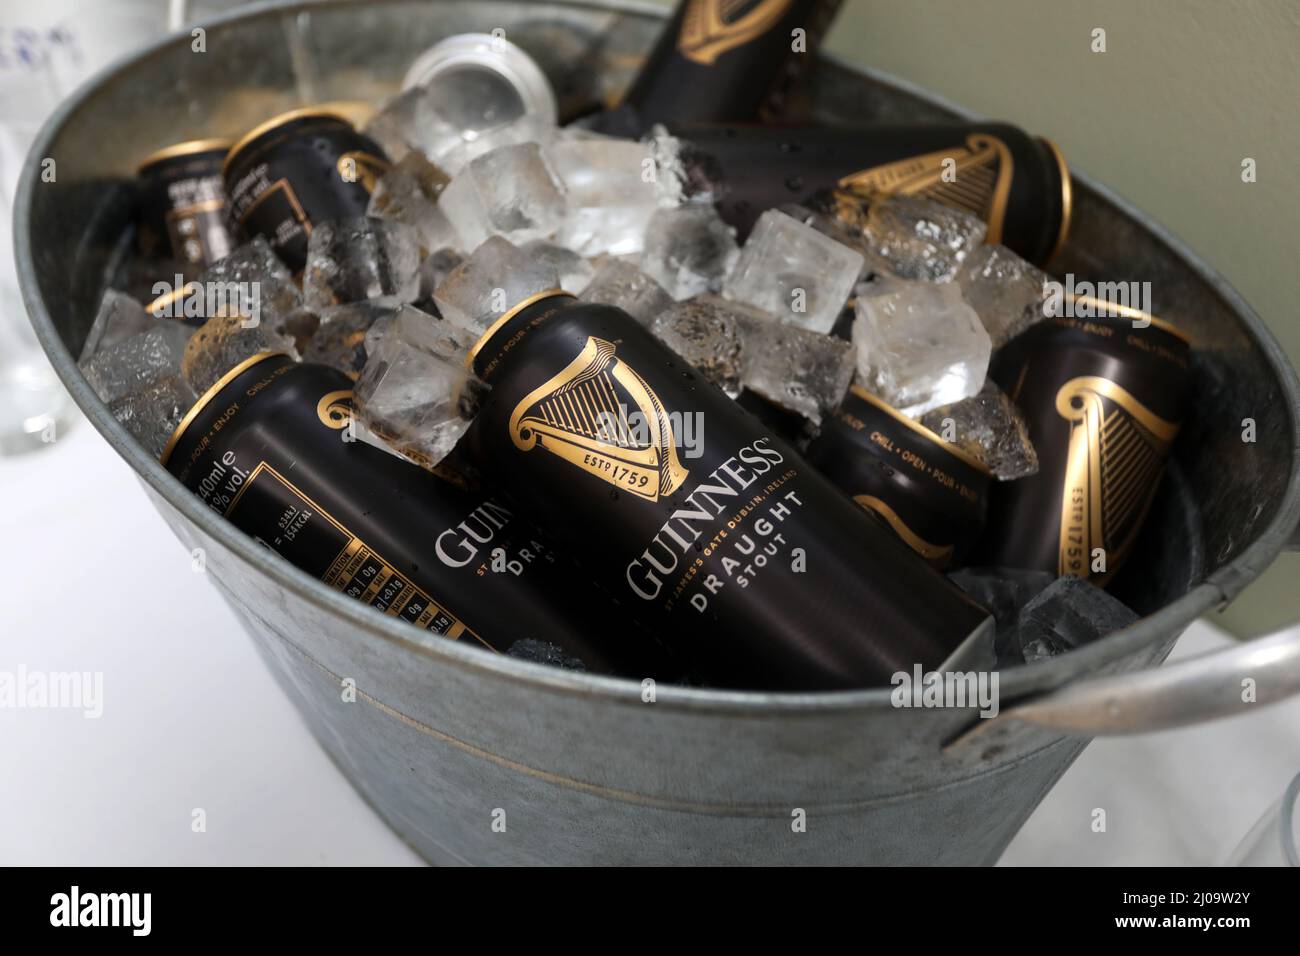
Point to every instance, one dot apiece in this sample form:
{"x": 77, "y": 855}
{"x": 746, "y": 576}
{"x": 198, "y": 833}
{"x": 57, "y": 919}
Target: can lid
{"x": 1067, "y": 197}
{"x": 937, "y": 439}
{"x": 208, "y": 396}
{"x": 275, "y": 122}
{"x": 188, "y": 148}
{"x": 494, "y": 63}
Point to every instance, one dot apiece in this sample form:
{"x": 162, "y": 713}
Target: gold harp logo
{"x": 1117, "y": 447}
{"x": 980, "y": 175}
{"x": 335, "y": 409}
{"x": 712, "y": 27}
{"x": 581, "y": 415}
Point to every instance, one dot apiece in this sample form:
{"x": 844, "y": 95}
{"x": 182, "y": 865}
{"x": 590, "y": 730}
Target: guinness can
{"x": 300, "y": 168}
{"x": 1019, "y": 185}
{"x": 1103, "y": 398}
{"x": 265, "y": 448}
{"x": 757, "y": 571}
{"x": 183, "y": 204}
{"x": 721, "y": 60}
{"x": 933, "y": 494}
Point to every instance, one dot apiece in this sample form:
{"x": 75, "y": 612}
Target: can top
{"x": 275, "y": 122}
{"x": 189, "y": 147}
{"x": 208, "y": 396}
{"x": 1067, "y": 196}
{"x": 499, "y": 70}
{"x": 506, "y": 316}
{"x": 943, "y": 443}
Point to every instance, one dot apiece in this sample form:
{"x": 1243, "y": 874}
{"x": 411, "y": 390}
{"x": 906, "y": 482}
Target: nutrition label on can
{"x": 285, "y": 519}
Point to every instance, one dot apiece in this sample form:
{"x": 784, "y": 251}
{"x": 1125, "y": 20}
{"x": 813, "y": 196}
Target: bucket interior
{"x": 1220, "y": 493}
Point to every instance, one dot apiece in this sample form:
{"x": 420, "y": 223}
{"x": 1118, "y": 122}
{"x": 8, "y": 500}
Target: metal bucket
{"x": 441, "y": 736}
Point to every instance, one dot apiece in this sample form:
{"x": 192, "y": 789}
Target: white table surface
{"x": 91, "y": 579}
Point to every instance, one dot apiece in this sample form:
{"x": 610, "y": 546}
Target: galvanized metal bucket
{"x": 586, "y": 769}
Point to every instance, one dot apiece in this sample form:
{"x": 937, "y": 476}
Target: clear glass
{"x": 1273, "y": 840}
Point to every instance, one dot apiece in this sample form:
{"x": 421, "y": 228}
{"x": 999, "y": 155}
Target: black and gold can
{"x": 933, "y": 494}
{"x": 1018, "y": 184}
{"x": 1103, "y": 390}
{"x": 267, "y": 448}
{"x": 182, "y": 204}
{"x": 752, "y": 566}
{"x": 303, "y": 167}
{"x": 722, "y": 60}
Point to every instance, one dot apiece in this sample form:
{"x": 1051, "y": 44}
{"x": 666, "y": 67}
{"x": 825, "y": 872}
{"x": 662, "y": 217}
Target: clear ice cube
{"x": 510, "y": 192}
{"x": 252, "y": 281}
{"x": 340, "y": 339}
{"x": 689, "y": 250}
{"x": 798, "y": 369}
{"x": 990, "y": 427}
{"x": 120, "y": 316}
{"x": 1005, "y": 291}
{"x": 1070, "y": 612}
{"x": 419, "y": 403}
{"x": 794, "y": 272}
{"x": 573, "y": 270}
{"x": 349, "y": 260}
{"x": 919, "y": 346}
{"x": 409, "y": 193}
{"x": 153, "y": 412}
{"x": 133, "y": 364}
{"x": 494, "y": 279}
{"x": 915, "y": 238}
{"x": 221, "y": 343}
{"x": 610, "y": 191}
{"x": 709, "y": 334}
{"x": 623, "y": 285}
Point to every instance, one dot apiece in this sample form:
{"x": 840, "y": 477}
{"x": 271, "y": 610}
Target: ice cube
{"x": 349, "y": 260}
{"x": 990, "y": 427}
{"x": 223, "y": 342}
{"x": 1005, "y": 291}
{"x": 689, "y": 250}
{"x": 133, "y": 364}
{"x": 509, "y": 192}
{"x": 919, "y": 346}
{"x": 794, "y": 272}
{"x": 252, "y": 279}
{"x": 153, "y": 412}
{"x": 916, "y": 238}
{"x": 419, "y": 403}
{"x": 409, "y": 193}
{"x": 1070, "y": 612}
{"x": 573, "y": 270}
{"x": 119, "y": 317}
{"x": 623, "y": 285}
{"x": 708, "y": 334}
{"x": 494, "y": 279}
{"x": 340, "y": 340}
{"x": 544, "y": 652}
{"x": 799, "y": 370}
{"x": 610, "y": 189}
{"x": 1003, "y": 592}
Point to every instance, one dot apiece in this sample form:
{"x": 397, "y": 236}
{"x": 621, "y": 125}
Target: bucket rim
{"x": 1219, "y": 587}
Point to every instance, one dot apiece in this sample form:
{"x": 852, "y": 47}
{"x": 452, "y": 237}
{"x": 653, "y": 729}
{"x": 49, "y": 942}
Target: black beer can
{"x": 721, "y": 60}
{"x": 183, "y": 204}
{"x": 1018, "y": 184}
{"x": 266, "y": 449}
{"x": 297, "y": 169}
{"x": 751, "y": 565}
{"x": 933, "y": 494}
{"x": 1103, "y": 397}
